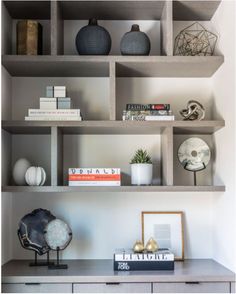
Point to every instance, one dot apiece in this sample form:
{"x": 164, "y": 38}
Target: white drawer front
{"x": 37, "y": 288}
{"x": 112, "y": 288}
{"x": 205, "y": 287}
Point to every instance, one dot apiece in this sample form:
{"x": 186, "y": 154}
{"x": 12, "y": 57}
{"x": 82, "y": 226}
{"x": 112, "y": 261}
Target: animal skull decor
{"x": 193, "y": 111}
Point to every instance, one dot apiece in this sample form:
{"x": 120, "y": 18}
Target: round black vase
{"x": 135, "y": 42}
{"x": 93, "y": 40}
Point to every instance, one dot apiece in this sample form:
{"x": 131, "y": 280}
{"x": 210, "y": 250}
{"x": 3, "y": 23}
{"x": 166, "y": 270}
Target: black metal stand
{"x": 41, "y": 263}
{"x": 194, "y": 172}
{"x": 58, "y": 265}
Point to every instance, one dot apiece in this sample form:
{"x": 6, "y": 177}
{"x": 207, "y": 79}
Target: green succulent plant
{"x": 141, "y": 156}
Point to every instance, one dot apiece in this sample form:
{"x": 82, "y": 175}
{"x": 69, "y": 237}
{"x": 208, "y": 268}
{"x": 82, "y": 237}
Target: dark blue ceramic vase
{"x": 93, "y": 40}
{"x": 135, "y": 42}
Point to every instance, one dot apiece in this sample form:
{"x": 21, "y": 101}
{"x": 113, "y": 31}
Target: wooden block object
{"x": 29, "y": 38}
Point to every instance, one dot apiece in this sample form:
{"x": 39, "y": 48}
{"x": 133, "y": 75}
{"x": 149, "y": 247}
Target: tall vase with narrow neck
{"x": 135, "y": 42}
{"x": 93, "y": 40}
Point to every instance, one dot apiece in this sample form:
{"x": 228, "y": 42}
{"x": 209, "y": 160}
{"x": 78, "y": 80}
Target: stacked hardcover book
{"x": 94, "y": 177}
{"x": 55, "y": 106}
{"x": 148, "y": 112}
{"x": 127, "y": 260}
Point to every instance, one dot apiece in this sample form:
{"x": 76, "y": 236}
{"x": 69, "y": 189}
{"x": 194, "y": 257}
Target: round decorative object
{"x": 194, "y": 154}
{"x": 19, "y": 170}
{"x": 31, "y": 230}
{"x": 138, "y": 247}
{"x": 193, "y": 111}
{"x": 35, "y": 176}
{"x": 135, "y": 42}
{"x": 58, "y": 234}
{"x": 93, "y": 40}
{"x": 151, "y": 245}
{"x": 195, "y": 40}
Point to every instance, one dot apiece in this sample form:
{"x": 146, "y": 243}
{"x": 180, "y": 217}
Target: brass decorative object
{"x": 195, "y": 40}
{"x": 138, "y": 247}
{"x": 151, "y": 245}
{"x": 29, "y": 37}
{"x": 193, "y": 111}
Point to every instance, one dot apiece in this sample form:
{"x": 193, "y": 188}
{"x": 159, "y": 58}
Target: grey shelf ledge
{"x": 194, "y": 10}
{"x": 98, "y": 66}
{"x": 101, "y": 271}
{"x": 67, "y": 189}
{"x": 113, "y": 127}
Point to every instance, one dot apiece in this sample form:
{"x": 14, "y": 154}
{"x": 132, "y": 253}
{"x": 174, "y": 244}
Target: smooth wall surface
{"x": 223, "y": 208}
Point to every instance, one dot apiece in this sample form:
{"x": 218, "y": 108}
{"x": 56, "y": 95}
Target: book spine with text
{"x": 147, "y": 107}
{"x": 143, "y": 266}
{"x": 54, "y": 112}
{"x": 53, "y": 118}
{"x": 94, "y": 177}
{"x": 97, "y": 171}
{"x": 159, "y": 118}
{"x": 144, "y": 257}
{"x": 94, "y": 183}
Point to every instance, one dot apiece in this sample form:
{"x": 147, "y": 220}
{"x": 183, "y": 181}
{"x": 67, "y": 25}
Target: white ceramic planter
{"x": 141, "y": 174}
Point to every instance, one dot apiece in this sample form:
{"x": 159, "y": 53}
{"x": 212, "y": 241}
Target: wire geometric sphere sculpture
{"x": 195, "y": 40}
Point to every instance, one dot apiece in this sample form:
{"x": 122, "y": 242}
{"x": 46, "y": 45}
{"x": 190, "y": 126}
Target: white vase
{"x": 19, "y": 170}
{"x": 141, "y": 174}
{"x": 35, "y": 176}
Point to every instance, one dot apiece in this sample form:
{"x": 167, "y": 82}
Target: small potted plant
{"x": 141, "y": 168}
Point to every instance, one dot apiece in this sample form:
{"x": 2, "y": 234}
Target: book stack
{"x": 148, "y": 112}
{"x": 127, "y": 260}
{"x": 55, "y": 106}
{"x": 94, "y": 177}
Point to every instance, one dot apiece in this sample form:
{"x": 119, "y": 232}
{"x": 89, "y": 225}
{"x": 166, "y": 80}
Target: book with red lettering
{"x": 94, "y": 177}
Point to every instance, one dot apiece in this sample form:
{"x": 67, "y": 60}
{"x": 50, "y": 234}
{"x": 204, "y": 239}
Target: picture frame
{"x": 166, "y": 227}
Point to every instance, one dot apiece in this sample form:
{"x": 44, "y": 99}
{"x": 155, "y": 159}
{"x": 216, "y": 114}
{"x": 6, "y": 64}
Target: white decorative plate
{"x": 58, "y": 234}
{"x": 194, "y": 153}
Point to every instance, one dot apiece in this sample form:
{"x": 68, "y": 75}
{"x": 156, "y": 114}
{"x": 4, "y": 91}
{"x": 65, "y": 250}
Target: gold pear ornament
{"x": 138, "y": 247}
{"x": 151, "y": 245}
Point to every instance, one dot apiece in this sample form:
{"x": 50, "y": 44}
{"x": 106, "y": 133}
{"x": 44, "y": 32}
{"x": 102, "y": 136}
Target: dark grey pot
{"x": 135, "y": 42}
{"x": 93, "y": 40}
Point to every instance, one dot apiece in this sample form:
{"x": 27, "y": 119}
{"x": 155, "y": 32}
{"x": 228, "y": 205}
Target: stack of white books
{"x": 56, "y": 106}
{"x": 54, "y": 114}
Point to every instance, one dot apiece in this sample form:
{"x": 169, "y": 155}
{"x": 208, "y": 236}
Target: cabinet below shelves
{"x": 123, "y": 189}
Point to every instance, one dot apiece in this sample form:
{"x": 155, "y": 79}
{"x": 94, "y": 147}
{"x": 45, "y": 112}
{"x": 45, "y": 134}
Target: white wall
{"x": 223, "y": 206}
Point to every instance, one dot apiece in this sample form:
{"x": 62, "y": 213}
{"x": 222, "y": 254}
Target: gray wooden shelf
{"x": 98, "y": 66}
{"x": 67, "y": 189}
{"x": 112, "y": 127}
{"x": 194, "y": 10}
{"x": 112, "y": 10}
{"x": 101, "y": 271}
{"x": 28, "y": 9}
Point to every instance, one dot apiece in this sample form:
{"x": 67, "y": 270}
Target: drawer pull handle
{"x": 32, "y": 284}
{"x": 192, "y": 283}
{"x": 112, "y": 284}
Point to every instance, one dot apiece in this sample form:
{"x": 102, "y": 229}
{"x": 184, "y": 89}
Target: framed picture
{"x": 166, "y": 228}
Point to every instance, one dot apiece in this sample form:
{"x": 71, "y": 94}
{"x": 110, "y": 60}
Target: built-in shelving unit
{"x": 112, "y": 127}
{"x": 57, "y": 63}
{"x": 146, "y": 189}
{"x": 98, "y": 66}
